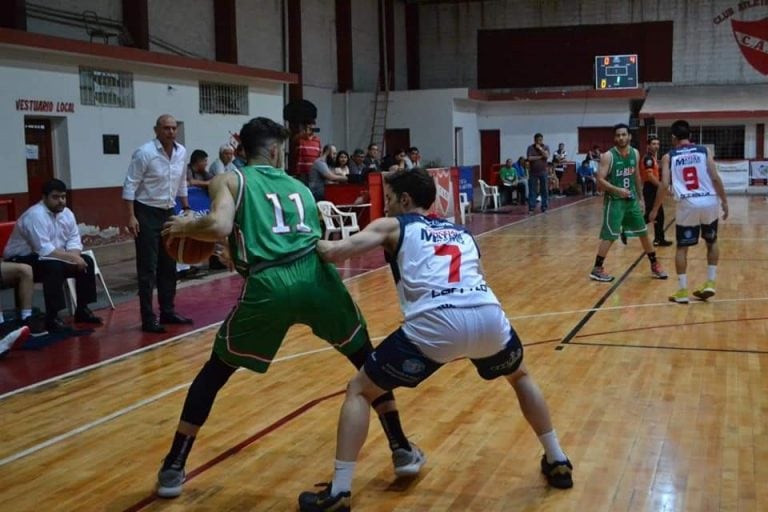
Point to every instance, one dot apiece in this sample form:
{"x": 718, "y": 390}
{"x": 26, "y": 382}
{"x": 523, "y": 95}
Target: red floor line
{"x": 243, "y": 444}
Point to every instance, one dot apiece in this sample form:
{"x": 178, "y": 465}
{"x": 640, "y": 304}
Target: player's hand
{"x": 224, "y": 256}
{"x": 176, "y": 226}
{"x": 725, "y": 210}
{"x": 323, "y": 248}
{"x": 652, "y": 215}
{"x": 625, "y": 193}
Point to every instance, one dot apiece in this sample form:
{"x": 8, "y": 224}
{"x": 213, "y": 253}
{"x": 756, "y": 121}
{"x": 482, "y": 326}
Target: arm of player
{"x": 602, "y": 175}
{"x": 639, "y": 185}
{"x": 381, "y": 232}
{"x": 218, "y": 223}
{"x": 718, "y": 183}
{"x": 661, "y": 191}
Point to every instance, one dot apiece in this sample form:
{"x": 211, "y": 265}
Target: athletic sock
{"x": 599, "y": 261}
{"x": 342, "y": 477}
{"x": 652, "y": 257}
{"x": 711, "y": 272}
{"x": 390, "y": 421}
{"x": 552, "y": 447}
{"x": 682, "y": 281}
{"x": 177, "y": 457}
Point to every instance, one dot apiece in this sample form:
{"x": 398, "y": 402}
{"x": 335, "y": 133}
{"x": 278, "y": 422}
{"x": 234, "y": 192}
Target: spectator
{"x": 307, "y": 146}
{"x": 154, "y": 179}
{"x": 197, "y": 176}
{"x": 371, "y": 161}
{"x": 341, "y": 166}
{"x": 240, "y": 160}
{"x": 394, "y": 162}
{"x": 553, "y": 183}
{"x": 357, "y": 163}
{"x": 538, "y": 156}
{"x": 508, "y": 176}
{"x": 320, "y": 173}
{"x": 593, "y": 155}
{"x": 521, "y": 167}
{"x": 225, "y": 162}
{"x": 413, "y": 158}
{"x": 46, "y": 238}
{"x": 558, "y": 160}
{"x": 586, "y": 177}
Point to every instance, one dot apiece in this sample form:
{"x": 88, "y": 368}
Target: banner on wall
{"x": 466, "y": 177}
{"x": 444, "y": 205}
{"x": 758, "y": 169}
{"x": 735, "y": 175}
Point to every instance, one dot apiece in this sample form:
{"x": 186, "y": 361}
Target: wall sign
{"x": 751, "y": 36}
{"x": 28, "y": 105}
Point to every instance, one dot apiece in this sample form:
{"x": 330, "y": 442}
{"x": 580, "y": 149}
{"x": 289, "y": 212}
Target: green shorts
{"x": 306, "y": 291}
{"x": 622, "y": 214}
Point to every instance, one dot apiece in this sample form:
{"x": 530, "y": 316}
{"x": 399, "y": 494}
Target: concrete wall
{"x": 705, "y": 52}
{"x": 365, "y": 44}
{"x": 109, "y": 9}
{"x": 78, "y": 152}
{"x": 260, "y": 34}
{"x": 188, "y": 26}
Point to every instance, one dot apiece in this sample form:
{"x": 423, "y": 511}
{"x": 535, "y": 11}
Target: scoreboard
{"x": 616, "y": 72}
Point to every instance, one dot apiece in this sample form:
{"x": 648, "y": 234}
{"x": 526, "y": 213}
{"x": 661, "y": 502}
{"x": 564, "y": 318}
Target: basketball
{"x": 188, "y": 250}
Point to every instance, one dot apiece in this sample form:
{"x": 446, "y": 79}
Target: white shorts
{"x": 701, "y": 213}
{"x": 447, "y": 334}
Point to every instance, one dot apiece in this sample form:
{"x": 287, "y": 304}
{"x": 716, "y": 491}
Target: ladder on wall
{"x": 379, "y": 126}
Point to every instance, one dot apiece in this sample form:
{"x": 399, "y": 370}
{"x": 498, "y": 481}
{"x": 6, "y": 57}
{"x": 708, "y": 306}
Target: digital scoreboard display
{"x": 616, "y": 72}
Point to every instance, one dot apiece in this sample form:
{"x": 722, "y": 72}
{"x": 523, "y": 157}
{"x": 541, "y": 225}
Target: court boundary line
{"x": 163, "y": 343}
{"x": 666, "y": 347}
{"x": 586, "y": 318}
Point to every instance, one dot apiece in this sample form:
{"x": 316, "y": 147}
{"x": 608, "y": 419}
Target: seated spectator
{"x": 240, "y": 160}
{"x": 20, "y": 277}
{"x": 508, "y": 177}
{"x": 394, "y": 162}
{"x": 341, "y": 166}
{"x": 371, "y": 160}
{"x": 586, "y": 178}
{"x": 225, "y": 162}
{"x": 552, "y": 181}
{"x": 521, "y": 167}
{"x": 413, "y": 158}
{"x": 594, "y": 157}
{"x": 320, "y": 173}
{"x": 197, "y": 176}
{"x": 46, "y": 237}
{"x": 357, "y": 163}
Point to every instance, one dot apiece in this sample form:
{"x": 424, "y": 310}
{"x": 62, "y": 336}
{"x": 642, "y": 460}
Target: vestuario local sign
{"x": 44, "y": 106}
{"x": 751, "y": 36}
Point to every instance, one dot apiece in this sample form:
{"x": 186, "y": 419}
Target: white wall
{"x": 365, "y": 45}
{"x": 703, "y": 52}
{"x": 85, "y": 166}
{"x": 557, "y": 120}
{"x": 465, "y": 117}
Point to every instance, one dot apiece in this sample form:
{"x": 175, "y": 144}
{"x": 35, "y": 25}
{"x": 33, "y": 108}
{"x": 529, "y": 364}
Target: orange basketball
{"x": 189, "y": 250}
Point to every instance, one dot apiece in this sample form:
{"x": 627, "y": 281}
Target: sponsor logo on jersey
{"x": 442, "y": 235}
{"x": 629, "y": 171}
{"x": 689, "y": 159}
{"x": 514, "y": 357}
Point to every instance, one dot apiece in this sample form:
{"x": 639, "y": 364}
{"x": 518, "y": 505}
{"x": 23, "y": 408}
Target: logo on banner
{"x": 751, "y": 36}
{"x": 444, "y": 191}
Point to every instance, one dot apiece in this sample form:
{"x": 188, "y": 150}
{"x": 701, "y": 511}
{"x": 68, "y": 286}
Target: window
{"x": 103, "y": 88}
{"x": 223, "y": 99}
{"x": 728, "y": 140}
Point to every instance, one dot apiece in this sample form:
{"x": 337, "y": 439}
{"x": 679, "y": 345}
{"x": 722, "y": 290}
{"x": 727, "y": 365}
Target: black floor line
{"x": 665, "y": 347}
{"x": 573, "y": 332}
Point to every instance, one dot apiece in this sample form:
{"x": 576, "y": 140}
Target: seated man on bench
{"x": 46, "y": 238}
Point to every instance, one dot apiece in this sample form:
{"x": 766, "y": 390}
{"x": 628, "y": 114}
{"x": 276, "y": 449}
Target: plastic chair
{"x": 326, "y": 213}
{"x": 342, "y": 222}
{"x": 489, "y": 192}
{"x": 97, "y": 273}
{"x": 465, "y": 207}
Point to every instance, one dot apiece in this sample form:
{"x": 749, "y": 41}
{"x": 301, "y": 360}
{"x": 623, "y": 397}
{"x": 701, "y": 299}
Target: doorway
{"x": 490, "y": 153}
{"x": 39, "y": 150}
{"x": 396, "y": 139}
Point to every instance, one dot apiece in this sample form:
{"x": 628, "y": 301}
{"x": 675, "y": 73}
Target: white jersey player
{"x": 699, "y": 191}
{"x": 450, "y": 312}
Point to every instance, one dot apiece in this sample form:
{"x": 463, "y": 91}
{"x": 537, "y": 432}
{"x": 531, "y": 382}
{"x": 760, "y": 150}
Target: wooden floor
{"x": 661, "y": 407}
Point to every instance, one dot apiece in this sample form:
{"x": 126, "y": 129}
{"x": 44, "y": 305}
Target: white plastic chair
{"x": 489, "y": 192}
{"x": 97, "y": 273}
{"x": 465, "y": 207}
{"x": 337, "y": 221}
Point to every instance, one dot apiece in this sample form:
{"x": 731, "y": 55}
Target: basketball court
{"x": 659, "y": 406}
